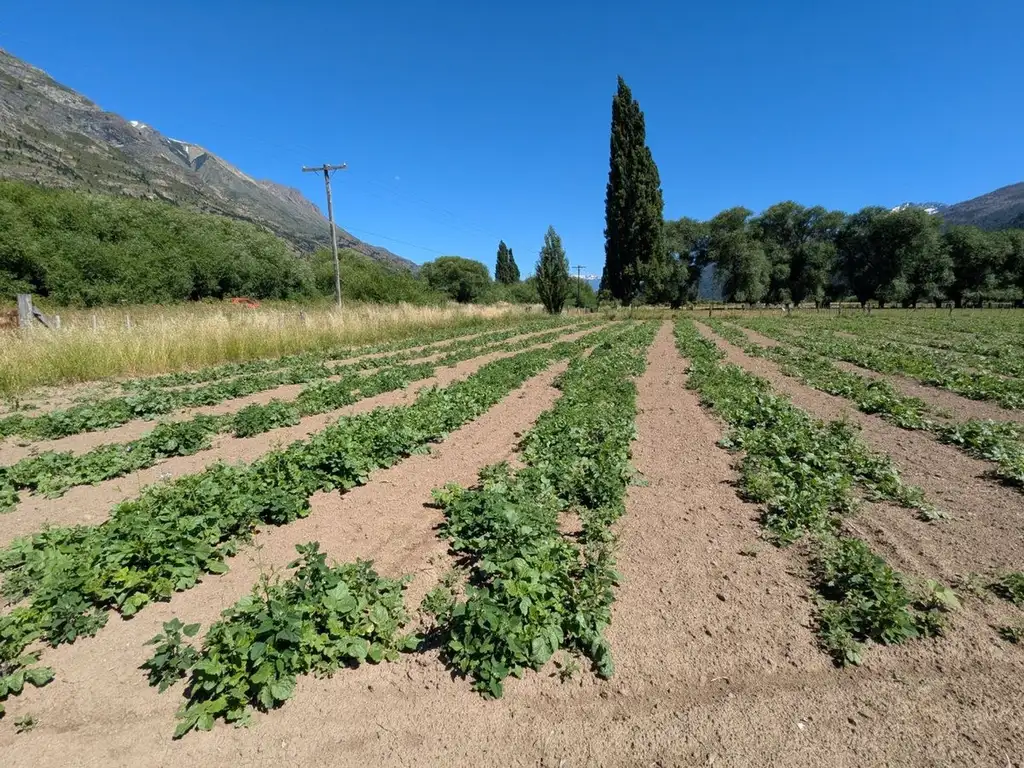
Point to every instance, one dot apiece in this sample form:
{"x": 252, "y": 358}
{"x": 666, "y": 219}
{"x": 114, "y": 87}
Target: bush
{"x": 84, "y": 249}
{"x": 363, "y": 279}
{"x": 463, "y": 280}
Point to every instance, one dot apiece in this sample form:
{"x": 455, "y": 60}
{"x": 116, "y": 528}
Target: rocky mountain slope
{"x": 1001, "y": 209}
{"x": 51, "y": 135}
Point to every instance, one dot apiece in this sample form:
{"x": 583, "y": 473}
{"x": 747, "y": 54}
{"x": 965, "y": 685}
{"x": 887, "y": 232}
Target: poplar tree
{"x": 553, "y": 273}
{"x": 505, "y": 269}
{"x": 635, "y": 255}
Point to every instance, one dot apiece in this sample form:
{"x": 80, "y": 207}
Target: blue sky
{"x": 465, "y": 122}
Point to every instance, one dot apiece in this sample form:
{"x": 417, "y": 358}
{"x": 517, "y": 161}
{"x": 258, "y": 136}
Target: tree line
{"x": 465, "y": 280}
{"x": 788, "y": 253}
{"x": 796, "y": 254}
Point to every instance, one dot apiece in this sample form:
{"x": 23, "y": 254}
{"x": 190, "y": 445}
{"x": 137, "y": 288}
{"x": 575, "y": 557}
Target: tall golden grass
{"x": 137, "y": 341}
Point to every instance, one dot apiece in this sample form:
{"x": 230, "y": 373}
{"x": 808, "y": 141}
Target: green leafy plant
{"x": 173, "y": 657}
{"x": 319, "y": 620}
{"x": 53, "y": 473}
{"x": 865, "y": 599}
{"x": 1009, "y": 586}
{"x": 1012, "y": 633}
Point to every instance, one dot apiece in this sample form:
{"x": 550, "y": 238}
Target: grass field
{"x": 632, "y": 539}
{"x": 139, "y": 341}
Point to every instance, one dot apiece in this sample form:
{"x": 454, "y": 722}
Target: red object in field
{"x": 245, "y": 302}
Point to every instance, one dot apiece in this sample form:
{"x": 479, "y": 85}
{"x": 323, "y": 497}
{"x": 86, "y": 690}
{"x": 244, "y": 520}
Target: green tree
{"x": 800, "y": 245}
{"x": 781, "y": 230}
{"x": 974, "y": 261}
{"x": 742, "y": 266}
{"x": 863, "y": 265}
{"x": 912, "y": 236}
{"x": 463, "y": 280}
{"x": 686, "y": 242}
{"x": 552, "y": 273}
{"x": 635, "y": 256}
{"x": 1009, "y": 245}
{"x": 581, "y": 294}
{"x": 78, "y": 248}
{"x": 505, "y": 269}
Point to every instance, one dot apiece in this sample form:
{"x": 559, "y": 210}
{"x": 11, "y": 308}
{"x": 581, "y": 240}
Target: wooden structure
{"x": 27, "y": 313}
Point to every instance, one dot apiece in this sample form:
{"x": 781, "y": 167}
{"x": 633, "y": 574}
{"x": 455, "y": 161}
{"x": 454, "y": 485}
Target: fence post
{"x": 25, "y": 310}
{"x": 94, "y": 328}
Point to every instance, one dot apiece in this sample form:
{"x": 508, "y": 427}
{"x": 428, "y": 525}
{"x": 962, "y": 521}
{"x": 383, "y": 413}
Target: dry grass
{"x": 173, "y": 338}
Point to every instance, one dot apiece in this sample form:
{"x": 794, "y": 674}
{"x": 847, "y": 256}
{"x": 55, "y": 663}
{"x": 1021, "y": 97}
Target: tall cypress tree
{"x": 505, "y": 269}
{"x": 513, "y": 268}
{"x": 553, "y": 273}
{"x": 501, "y": 265}
{"x": 634, "y": 248}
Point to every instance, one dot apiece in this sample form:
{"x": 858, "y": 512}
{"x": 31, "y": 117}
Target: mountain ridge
{"x": 54, "y": 136}
{"x": 1001, "y": 208}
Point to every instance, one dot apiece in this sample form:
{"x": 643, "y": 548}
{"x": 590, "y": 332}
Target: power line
{"x": 395, "y": 240}
{"x": 470, "y": 227}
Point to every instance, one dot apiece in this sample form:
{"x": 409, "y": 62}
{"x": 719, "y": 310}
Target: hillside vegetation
{"x": 81, "y": 249}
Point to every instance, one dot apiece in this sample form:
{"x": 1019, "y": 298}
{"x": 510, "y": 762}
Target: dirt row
{"x": 91, "y": 504}
{"x": 712, "y": 637}
{"x": 13, "y": 449}
{"x": 947, "y": 404}
{"x": 986, "y": 529}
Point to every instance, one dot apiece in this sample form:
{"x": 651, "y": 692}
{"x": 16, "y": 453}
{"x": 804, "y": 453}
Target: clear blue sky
{"x": 463, "y": 122}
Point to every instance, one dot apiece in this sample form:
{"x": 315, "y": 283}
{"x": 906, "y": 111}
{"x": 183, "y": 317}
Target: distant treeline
{"x": 81, "y": 249}
{"x": 791, "y": 253}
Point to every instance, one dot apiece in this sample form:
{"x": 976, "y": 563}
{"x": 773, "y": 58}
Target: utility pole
{"x": 578, "y": 281}
{"x": 326, "y": 169}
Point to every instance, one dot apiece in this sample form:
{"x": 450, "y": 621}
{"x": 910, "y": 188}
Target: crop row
{"x": 887, "y": 356}
{"x": 533, "y": 590}
{"x": 53, "y": 473}
{"x": 66, "y": 580}
{"x": 1000, "y": 442}
{"x": 433, "y": 338}
{"x": 999, "y": 353}
{"x": 808, "y": 475}
{"x": 154, "y": 402}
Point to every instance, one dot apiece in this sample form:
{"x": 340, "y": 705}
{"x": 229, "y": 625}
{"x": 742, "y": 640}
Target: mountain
{"x": 53, "y": 136}
{"x": 1001, "y": 209}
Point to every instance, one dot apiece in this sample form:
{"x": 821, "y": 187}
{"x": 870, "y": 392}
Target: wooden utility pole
{"x": 579, "y": 269}
{"x": 326, "y": 170}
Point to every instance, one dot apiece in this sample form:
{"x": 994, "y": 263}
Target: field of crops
{"x": 743, "y": 539}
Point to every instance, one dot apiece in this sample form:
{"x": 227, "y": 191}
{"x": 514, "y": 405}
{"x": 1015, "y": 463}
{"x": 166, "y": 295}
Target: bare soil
{"x": 757, "y": 338}
{"x": 712, "y": 637}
